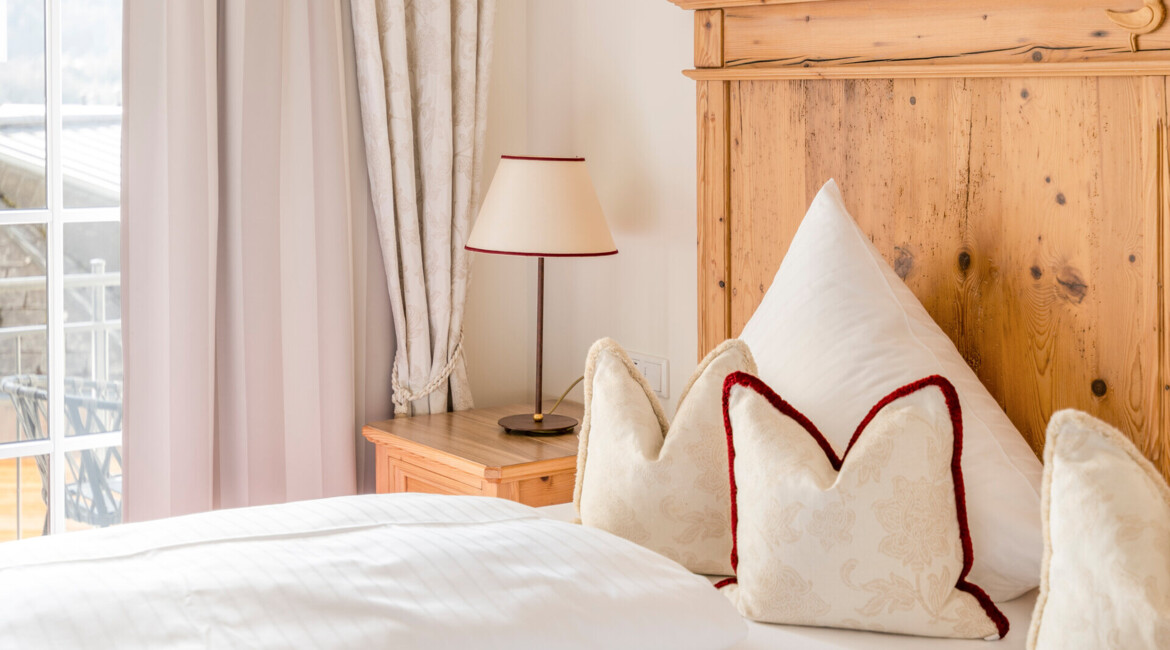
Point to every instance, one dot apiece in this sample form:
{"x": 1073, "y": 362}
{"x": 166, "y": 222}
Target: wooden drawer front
{"x": 408, "y": 478}
{"x": 546, "y": 490}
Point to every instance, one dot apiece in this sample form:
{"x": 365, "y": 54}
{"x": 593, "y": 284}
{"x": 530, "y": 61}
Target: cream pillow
{"x": 1105, "y": 579}
{"x": 838, "y": 330}
{"x": 662, "y": 486}
{"x": 875, "y": 539}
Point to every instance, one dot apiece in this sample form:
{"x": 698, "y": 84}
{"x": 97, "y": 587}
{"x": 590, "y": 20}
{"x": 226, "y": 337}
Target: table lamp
{"x": 541, "y": 207}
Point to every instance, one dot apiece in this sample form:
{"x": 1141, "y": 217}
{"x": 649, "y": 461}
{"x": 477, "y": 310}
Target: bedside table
{"x": 467, "y": 452}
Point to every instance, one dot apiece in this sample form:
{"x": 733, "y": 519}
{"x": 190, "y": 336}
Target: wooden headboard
{"x": 1008, "y": 157}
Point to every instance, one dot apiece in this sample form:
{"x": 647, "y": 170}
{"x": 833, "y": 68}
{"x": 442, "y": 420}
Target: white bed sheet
{"x": 376, "y": 571}
{"x": 763, "y": 636}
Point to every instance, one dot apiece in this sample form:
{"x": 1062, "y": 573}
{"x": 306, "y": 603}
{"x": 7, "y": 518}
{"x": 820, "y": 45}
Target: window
{"x": 60, "y": 296}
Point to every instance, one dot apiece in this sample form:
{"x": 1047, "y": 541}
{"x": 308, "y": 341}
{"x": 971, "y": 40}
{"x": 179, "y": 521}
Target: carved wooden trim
{"x": 849, "y": 33}
{"x": 1139, "y": 21}
{"x": 937, "y": 71}
{"x": 717, "y": 4}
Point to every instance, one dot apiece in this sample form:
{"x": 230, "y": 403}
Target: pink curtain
{"x": 256, "y": 320}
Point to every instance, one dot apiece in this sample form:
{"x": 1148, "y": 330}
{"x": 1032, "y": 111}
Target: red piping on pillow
{"x": 952, "y": 399}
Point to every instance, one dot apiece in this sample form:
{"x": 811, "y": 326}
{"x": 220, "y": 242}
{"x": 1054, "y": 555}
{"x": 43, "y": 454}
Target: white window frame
{"x": 55, "y": 216}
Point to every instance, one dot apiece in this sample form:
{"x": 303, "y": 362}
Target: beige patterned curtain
{"x": 422, "y": 81}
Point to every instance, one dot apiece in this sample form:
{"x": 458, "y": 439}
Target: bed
{"x": 391, "y": 570}
{"x": 763, "y": 636}
{"x": 412, "y": 570}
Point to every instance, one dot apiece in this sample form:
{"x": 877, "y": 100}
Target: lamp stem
{"x": 539, "y": 331}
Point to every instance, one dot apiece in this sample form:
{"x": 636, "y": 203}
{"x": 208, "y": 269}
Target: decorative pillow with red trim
{"x": 873, "y": 539}
{"x": 660, "y": 485}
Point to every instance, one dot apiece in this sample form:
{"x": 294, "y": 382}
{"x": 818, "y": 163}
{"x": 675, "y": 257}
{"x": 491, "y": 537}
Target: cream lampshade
{"x": 541, "y": 207}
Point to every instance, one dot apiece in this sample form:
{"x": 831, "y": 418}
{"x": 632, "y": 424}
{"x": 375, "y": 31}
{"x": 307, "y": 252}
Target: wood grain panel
{"x": 784, "y": 149}
{"x": 472, "y": 440}
{"x": 713, "y": 260}
{"x": 767, "y": 186}
{"x": 709, "y": 38}
{"x": 415, "y": 479}
{"x": 862, "y": 32}
{"x": 1023, "y": 212}
{"x": 546, "y": 490}
{"x": 383, "y": 470}
{"x": 1158, "y": 447}
{"x": 1061, "y": 245}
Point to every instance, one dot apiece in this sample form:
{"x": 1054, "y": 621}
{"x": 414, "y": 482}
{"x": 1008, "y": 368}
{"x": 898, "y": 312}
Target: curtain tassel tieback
{"x": 402, "y": 397}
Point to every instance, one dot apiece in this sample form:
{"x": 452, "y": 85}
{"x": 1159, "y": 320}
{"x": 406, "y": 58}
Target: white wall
{"x": 600, "y": 79}
{"x": 499, "y": 327}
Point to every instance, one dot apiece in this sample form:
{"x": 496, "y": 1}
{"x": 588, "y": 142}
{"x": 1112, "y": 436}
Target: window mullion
{"x": 55, "y": 270}
{"x": 16, "y": 217}
{"x": 92, "y": 441}
{"x": 91, "y": 215}
{"x": 24, "y": 449}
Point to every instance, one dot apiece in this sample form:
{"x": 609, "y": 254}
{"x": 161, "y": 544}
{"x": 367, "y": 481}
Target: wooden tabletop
{"x": 475, "y": 436}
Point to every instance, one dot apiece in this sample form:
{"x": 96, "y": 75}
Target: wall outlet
{"x": 656, "y": 370}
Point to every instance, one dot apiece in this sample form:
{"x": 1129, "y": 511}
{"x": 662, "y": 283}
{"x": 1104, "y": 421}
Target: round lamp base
{"x": 551, "y": 425}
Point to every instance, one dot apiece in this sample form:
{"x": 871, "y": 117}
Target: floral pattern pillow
{"x": 1105, "y": 580}
{"x": 658, "y": 484}
{"x": 873, "y": 539}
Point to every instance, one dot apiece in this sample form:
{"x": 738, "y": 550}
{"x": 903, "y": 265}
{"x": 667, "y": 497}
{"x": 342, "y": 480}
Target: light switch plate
{"x": 656, "y": 370}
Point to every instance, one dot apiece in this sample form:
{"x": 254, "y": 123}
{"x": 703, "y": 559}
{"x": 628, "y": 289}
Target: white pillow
{"x": 1105, "y": 580}
{"x": 872, "y": 539}
{"x": 838, "y": 330}
{"x": 372, "y": 571}
{"x": 662, "y": 486}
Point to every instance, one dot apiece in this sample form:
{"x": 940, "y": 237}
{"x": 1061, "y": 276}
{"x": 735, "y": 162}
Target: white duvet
{"x": 388, "y": 571}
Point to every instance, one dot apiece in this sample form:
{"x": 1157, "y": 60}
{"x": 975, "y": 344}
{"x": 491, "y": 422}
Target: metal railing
{"x": 100, "y": 328}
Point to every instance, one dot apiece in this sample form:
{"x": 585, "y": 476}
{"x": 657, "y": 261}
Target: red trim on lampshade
{"x": 544, "y": 158}
{"x": 484, "y": 250}
{"x": 952, "y": 399}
